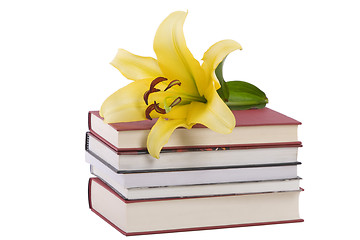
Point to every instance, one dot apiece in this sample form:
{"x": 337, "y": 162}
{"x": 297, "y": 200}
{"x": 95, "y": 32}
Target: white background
{"x": 54, "y": 67}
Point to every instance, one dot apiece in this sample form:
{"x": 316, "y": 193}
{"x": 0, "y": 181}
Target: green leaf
{"x": 239, "y": 95}
{"x": 243, "y": 95}
{"x": 224, "y": 90}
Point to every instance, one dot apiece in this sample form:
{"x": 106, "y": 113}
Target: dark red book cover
{"x": 166, "y": 199}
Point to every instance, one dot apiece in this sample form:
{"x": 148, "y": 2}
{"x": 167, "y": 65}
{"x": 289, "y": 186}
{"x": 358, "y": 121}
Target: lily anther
{"x": 178, "y": 97}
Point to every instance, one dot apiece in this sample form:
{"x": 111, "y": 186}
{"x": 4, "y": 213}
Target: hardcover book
{"x": 195, "y": 190}
{"x": 137, "y": 217}
{"x": 189, "y": 177}
{"x": 255, "y": 126}
{"x": 191, "y": 158}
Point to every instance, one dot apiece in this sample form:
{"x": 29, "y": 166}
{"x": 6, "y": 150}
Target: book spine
{"x": 87, "y": 141}
{"x": 89, "y": 120}
{"x": 89, "y": 192}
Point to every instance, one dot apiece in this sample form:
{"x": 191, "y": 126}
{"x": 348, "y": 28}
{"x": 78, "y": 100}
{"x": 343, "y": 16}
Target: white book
{"x": 196, "y": 190}
{"x": 200, "y": 158}
{"x": 173, "y": 178}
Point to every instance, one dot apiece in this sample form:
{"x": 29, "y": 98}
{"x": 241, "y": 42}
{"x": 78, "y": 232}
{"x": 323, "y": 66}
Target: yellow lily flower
{"x": 174, "y": 88}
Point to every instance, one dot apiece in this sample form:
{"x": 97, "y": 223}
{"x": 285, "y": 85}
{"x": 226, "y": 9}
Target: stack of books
{"x": 203, "y": 180}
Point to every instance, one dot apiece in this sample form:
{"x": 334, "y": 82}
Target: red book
{"x": 254, "y": 127}
{"x": 138, "y": 217}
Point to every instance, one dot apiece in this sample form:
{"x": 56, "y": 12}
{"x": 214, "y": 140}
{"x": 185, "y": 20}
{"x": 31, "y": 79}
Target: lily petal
{"x": 214, "y": 114}
{"x": 178, "y": 112}
{"x": 136, "y": 67}
{"x": 160, "y": 134}
{"x": 215, "y": 55}
{"x": 126, "y": 104}
{"x": 175, "y": 59}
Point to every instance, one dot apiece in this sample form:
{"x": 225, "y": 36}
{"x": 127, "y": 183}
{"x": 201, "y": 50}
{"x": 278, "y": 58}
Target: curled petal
{"x": 215, "y": 55}
{"x": 136, "y": 67}
{"x": 214, "y": 114}
{"x": 160, "y": 134}
{"x": 174, "y": 58}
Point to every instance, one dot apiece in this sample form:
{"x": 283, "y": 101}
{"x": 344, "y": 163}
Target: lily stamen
{"x": 158, "y": 108}
{"x": 175, "y": 102}
{"x": 155, "y": 106}
{"x": 148, "y": 110}
{"x": 153, "y": 89}
{"x": 173, "y": 83}
{"x": 147, "y": 93}
{"x": 157, "y": 81}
